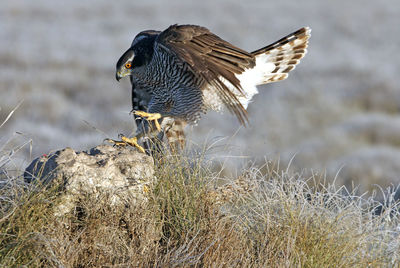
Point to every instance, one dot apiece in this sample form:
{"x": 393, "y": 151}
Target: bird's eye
{"x": 128, "y": 65}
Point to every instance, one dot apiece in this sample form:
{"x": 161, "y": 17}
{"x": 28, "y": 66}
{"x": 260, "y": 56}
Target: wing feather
{"x": 214, "y": 59}
{"x": 231, "y": 74}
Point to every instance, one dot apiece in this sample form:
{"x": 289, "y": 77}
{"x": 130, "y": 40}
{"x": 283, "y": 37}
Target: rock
{"x": 102, "y": 170}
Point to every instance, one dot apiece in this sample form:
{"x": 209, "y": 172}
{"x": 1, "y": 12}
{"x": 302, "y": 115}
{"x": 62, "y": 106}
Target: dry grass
{"x": 261, "y": 219}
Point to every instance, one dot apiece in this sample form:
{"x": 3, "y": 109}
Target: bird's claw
{"x": 115, "y": 142}
{"x": 150, "y": 117}
{"x": 126, "y": 141}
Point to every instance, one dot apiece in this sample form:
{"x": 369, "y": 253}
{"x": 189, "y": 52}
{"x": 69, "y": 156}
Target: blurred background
{"x": 338, "y": 112}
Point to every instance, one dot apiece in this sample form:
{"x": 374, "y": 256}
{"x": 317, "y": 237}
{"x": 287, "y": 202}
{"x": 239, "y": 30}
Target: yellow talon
{"x": 127, "y": 141}
{"x": 133, "y": 142}
{"x": 115, "y": 142}
{"x": 150, "y": 117}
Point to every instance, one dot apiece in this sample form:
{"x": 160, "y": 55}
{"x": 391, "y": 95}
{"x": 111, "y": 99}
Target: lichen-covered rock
{"x": 101, "y": 170}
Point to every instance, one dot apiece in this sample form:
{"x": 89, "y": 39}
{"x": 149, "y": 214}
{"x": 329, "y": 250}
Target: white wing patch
{"x": 273, "y": 63}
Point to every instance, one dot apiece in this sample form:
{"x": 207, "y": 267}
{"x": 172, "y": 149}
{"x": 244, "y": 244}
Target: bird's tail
{"x": 274, "y": 62}
{"x": 282, "y": 55}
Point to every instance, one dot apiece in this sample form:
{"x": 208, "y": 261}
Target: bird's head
{"x": 138, "y": 55}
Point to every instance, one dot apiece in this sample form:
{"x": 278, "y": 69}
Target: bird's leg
{"x": 140, "y": 133}
{"x": 127, "y": 141}
{"x": 150, "y": 117}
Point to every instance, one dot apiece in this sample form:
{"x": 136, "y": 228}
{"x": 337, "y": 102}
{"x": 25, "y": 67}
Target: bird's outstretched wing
{"x": 210, "y": 57}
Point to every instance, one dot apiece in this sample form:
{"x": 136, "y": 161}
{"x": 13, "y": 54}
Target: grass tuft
{"x": 264, "y": 218}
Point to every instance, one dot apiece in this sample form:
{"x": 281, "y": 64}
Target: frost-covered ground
{"x": 338, "y": 109}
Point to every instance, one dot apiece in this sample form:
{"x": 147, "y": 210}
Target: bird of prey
{"x": 182, "y": 72}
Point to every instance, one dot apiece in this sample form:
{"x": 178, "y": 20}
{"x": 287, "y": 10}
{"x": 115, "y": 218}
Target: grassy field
{"x": 265, "y": 217}
{"x": 339, "y": 109}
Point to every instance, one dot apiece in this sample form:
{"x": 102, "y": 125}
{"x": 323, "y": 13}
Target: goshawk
{"x": 180, "y": 73}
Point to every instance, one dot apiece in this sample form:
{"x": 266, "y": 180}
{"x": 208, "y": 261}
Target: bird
{"x": 186, "y": 70}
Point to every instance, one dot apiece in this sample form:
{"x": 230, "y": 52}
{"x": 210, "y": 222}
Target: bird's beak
{"x": 118, "y": 76}
{"x": 121, "y": 74}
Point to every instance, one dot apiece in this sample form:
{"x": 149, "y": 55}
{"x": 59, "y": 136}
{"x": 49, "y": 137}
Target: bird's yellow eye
{"x": 128, "y": 65}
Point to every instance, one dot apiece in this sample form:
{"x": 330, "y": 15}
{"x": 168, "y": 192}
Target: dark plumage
{"x": 185, "y": 70}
